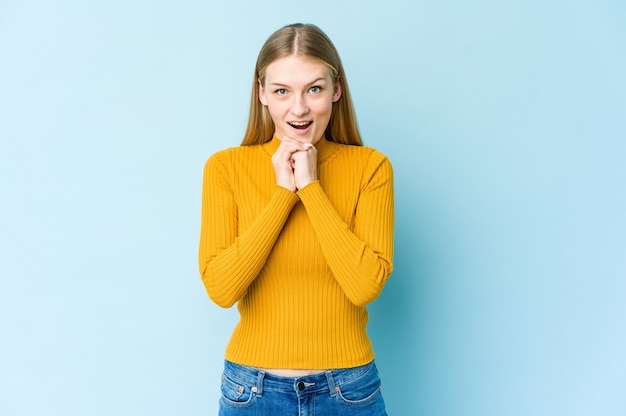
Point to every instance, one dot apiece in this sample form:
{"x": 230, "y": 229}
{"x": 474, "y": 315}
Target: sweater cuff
{"x": 308, "y": 191}
{"x": 285, "y": 196}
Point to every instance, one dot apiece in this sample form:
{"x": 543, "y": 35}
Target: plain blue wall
{"x": 505, "y": 122}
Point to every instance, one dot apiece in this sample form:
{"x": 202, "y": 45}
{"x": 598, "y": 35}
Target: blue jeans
{"x": 346, "y": 392}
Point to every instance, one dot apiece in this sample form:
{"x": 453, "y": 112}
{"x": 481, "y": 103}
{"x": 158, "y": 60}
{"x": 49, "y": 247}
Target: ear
{"x": 337, "y": 92}
{"x": 262, "y": 93}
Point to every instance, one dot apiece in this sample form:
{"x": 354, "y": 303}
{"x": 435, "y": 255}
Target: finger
{"x": 296, "y": 143}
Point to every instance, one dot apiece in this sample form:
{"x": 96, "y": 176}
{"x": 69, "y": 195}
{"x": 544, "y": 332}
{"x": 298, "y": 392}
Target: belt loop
{"x": 259, "y": 383}
{"x": 331, "y": 383}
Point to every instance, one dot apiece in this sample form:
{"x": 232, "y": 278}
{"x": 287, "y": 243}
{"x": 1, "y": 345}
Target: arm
{"x": 229, "y": 262}
{"x": 360, "y": 259}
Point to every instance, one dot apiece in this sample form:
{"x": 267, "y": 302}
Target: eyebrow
{"x": 278, "y": 84}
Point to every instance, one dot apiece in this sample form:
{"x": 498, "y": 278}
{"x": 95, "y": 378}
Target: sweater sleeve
{"x": 229, "y": 262}
{"x": 360, "y": 259}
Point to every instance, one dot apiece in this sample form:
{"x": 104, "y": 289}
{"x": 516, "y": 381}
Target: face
{"x": 299, "y": 93}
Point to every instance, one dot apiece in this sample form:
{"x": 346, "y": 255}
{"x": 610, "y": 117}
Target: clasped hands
{"x": 295, "y": 164}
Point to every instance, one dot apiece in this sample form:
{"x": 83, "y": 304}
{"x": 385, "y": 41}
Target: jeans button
{"x": 301, "y": 385}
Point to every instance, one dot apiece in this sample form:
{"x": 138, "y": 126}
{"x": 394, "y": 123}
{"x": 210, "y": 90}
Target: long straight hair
{"x": 305, "y": 40}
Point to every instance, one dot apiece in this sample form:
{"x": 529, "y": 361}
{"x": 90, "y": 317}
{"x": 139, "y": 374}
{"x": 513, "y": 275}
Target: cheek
{"x": 276, "y": 110}
{"x": 323, "y": 108}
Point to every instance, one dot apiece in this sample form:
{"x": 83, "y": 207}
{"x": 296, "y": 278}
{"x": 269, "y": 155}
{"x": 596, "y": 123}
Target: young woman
{"x": 297, "y": 229}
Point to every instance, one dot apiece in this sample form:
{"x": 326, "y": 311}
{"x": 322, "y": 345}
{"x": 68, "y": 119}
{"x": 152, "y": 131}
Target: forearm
{"x": 229, "y": 263}
{"x": 361, "y": 262}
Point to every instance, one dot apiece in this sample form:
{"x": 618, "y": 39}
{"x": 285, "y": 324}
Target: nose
{"x": 299, "y": 106}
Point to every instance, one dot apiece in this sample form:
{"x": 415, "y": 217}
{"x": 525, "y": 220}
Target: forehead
{"x": 296, "y": 69}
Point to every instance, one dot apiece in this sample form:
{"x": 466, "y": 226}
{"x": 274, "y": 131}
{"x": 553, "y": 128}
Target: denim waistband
{"x": 328, "y": 380}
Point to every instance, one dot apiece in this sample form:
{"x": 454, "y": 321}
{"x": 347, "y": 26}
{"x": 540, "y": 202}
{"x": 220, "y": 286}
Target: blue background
{"x": 505, "y": 122}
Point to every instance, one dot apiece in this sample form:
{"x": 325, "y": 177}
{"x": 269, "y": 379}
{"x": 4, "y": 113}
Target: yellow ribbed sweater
{"x": 302, "y": 266}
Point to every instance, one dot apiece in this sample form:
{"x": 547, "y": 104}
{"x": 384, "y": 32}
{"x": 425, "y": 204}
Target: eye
{"x": 280, "y": 92}
{"x": 316, "y": 89}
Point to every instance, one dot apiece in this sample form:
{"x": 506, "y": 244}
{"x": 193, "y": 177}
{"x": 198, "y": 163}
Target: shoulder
{"x": 362, "y": 155}
{"x": 376, "y": 156}
{"x": 232, "y": 156}
{"x": 378, "y": 166}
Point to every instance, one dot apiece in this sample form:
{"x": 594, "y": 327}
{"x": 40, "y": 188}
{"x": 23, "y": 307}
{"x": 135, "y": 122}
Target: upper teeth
{"x": 299, "y": 123}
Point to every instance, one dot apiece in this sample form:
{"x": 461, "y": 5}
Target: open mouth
{"x": 300, "y": 125}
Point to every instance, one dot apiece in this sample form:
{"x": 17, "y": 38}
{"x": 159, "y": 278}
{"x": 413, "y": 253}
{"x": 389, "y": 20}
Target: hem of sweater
{"x": 278, "y": 364}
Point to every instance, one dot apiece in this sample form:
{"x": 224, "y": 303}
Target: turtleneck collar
{"x": 324, "y": 147}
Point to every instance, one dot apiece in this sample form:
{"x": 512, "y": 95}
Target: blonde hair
{"x": 303, "y": 40}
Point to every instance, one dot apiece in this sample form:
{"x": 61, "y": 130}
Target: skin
{"x": 298, "y": 89}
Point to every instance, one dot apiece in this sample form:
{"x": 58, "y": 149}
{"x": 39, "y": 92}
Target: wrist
{"x": 306, "y": 185}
